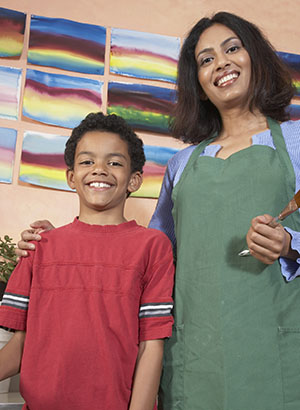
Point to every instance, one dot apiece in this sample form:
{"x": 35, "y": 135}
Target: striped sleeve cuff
{"x": 16, "y": 301}
{"x": 155, "y": 309}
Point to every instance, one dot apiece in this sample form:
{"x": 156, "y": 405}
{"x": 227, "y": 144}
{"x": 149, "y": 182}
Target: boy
{"x": 95, "y": 297}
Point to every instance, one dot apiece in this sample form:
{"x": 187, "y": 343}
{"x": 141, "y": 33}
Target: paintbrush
{"x": 291, "y": 207}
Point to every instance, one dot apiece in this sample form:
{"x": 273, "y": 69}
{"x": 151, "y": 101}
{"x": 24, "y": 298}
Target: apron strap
{"x": 195, "y": 154}
{"x": 284, "y": 157}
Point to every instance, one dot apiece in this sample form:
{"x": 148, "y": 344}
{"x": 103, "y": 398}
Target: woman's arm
{"x": 11, "y": 355}
{"x": 147, "y": 375}
{"x": 162, "y": 218}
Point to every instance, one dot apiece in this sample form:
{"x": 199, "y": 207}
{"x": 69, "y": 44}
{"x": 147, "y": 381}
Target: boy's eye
{"x": 86, "y": 162}
{"x": 115, "y": 163}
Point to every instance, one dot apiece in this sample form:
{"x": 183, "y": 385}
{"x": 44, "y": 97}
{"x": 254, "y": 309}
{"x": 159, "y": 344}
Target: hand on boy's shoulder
{"x": 32, "y": 235}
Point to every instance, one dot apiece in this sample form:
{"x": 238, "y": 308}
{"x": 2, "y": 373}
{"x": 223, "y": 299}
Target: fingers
{"x": 24, "y": 245}
{"x": 29, "y": 235}
{"x": 42, "y": 225}
{"x": 266, "y": 243}
{"x": 32, "y": 235}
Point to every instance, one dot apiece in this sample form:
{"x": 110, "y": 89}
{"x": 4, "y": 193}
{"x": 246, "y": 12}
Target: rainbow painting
{"x": 10, "y": 85}
{"x": 60, "y": 100}
{"x": 154, "y": 169}
{"x": 144, "y": 107}
{"x": 42, "y": 163}
{"x": 294, "y": 111}
{"x": 144, "y": 55}
{"x": 8, "y": 139}
{"x": 293, "y": 63}
{"x": 12, "y": 27}
{"x": 67, "y": 45}
{"x": 42, "y": 160}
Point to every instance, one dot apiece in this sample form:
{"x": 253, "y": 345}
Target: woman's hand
{"x": 32, "y": 235}
{"x": 268, "y": 243}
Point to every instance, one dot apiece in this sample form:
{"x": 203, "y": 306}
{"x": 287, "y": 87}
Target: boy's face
{"x": 102, "y": 174}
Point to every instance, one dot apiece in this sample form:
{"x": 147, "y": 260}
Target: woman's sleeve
{"x": 291, "y": 269}
{"x": 162, "y": 218}
{"x": 291, "y": 131}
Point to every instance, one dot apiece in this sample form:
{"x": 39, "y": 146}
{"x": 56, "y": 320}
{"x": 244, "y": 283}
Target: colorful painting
{"x": 293, "y": 63}
{"x": 12, "y": 27}
{"x": 145, "y": 107}
{"x": 154, "y": 169}
{"x": 67, "y": 45}
{"x": 42, "y": 161}
{"x": 8, "y": 138}
{"x": 144, "y": 55}
{"x": 59, "y": 99}
{"x": 10, "y": 85}
{"x": 294, "y": 111}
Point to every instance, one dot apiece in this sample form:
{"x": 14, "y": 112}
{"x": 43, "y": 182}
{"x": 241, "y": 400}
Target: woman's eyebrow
{"x": 209, "y": 49}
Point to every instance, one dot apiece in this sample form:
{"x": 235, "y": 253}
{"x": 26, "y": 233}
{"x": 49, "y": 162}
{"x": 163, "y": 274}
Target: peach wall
{"x": 21, "y": 204}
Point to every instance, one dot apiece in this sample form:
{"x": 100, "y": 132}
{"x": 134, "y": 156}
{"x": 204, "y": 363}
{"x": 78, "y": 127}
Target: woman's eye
{"x": 205, "y": 61}
{"x": 232, "y": 49}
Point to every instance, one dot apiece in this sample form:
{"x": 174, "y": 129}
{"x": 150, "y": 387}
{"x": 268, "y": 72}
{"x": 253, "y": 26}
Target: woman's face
{"x": 224, "y": 67}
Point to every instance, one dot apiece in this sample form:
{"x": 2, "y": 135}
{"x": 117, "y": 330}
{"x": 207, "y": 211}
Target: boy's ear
{"x": 135, "y": 182}
{"x": 70, "y": 178}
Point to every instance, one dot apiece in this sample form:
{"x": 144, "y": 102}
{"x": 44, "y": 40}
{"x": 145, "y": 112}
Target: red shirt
{"x": 86, "y": 297}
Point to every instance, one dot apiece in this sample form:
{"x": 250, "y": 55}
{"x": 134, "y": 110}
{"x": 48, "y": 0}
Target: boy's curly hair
{"x": 111, "y": 123}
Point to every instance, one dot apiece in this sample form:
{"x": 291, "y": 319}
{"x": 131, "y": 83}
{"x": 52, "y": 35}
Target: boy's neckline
{"x": 104, "y": 228}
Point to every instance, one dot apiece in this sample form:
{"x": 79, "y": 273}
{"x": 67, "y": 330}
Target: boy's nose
{"x": 100, "y": 170}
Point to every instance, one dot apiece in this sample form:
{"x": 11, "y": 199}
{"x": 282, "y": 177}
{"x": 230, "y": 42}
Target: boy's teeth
{"x": 99, "y": 185}
{"x": 227, "y": 78}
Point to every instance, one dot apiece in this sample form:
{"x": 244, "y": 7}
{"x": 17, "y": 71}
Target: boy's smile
{"x": 102, "y": 177}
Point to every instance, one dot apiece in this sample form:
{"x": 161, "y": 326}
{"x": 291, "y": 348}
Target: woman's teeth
{"x": 227, "y": 78}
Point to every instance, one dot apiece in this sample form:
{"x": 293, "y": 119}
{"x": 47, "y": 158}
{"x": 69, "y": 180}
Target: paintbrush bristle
{"x": 297, "y": 198}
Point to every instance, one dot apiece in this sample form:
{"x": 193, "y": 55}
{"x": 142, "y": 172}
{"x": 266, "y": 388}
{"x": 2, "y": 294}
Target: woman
{"x": 236, "y": 341}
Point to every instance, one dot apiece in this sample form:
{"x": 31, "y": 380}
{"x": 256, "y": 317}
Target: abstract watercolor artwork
{"x": 144, "y": 55}
{"x": 8, "y": 139}
{"x": 294, "y": 111}
{"x": 154, "y": 169}
{"x": 293, "y": 63}
{"x": 12, "y": 27}
{"x": 42, "y": 161}
{"x": 145, "y": 107}
{"x": 60, "y": 99}
{"x": 10, "y": 85}
{"x": 67, "y": 44}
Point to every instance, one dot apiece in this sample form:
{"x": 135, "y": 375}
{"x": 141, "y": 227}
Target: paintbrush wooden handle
{"x": 291, "y": 207}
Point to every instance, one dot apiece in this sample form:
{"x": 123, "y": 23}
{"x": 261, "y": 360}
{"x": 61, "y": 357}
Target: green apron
{"x": 236, "y": 338}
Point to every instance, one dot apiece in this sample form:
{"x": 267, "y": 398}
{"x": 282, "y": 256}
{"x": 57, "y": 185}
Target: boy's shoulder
{"x": 153, "y": 235}
{"x": 56, "y": 232}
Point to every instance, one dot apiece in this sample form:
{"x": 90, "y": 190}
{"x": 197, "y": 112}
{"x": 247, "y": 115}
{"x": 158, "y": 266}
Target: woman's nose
{"x": 222, "y": 61}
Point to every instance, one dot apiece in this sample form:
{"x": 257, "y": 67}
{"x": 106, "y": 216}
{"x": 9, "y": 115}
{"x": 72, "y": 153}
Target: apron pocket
{"x": 172, "y": 381}
{"x": 289, "y": 346}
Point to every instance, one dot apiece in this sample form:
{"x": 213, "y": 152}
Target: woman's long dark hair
{"x": 270, "y": 88}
